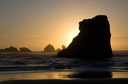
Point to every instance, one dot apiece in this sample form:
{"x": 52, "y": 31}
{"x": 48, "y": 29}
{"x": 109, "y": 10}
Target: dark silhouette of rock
{"x": 57, "y": 50}
{"x": 91, "y": 74}
{"x": 93, "y": 41}
{"x": 1, "y": 50}
{"x": 11, "y": 49}
{"x": 49, "y": 48}
{"x": 63, "y": 47}
{"x": 23, "y": 49}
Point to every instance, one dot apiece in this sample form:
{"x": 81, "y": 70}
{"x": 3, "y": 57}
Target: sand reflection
{"x": 59, "y": 75}
{"x": 120, "y": 74}
{"x": 34, "y": 75}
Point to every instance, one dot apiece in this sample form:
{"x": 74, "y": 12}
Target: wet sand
{"x": 45, "y": 77}
{"x": 78, "y": 81}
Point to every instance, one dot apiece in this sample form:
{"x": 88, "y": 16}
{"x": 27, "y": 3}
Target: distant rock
{"x": 93, "y": 41}
{"x": 63, "y": 47}
{"x": 24, "y": 49}
{"x": 1, "y": 50}
{"x": 11, "y": 49}
{"x": 49, "y": 48}
{"x": 57, "y": 50}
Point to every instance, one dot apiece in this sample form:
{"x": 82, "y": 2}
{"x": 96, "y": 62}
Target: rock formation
{"x": 63, "y": 47}
{"x": 1, "y": 50}
{"x": 49, "y": 48}
{"x": 93, "y": 41}
{"x": 23, "y": 49}
{"x": 11, "y": 49}
{"x": 57, "y": 50}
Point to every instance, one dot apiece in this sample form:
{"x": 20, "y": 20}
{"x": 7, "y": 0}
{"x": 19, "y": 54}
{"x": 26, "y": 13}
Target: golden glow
{"x": 34, "y": 24}
{"x": 119, "y": 44}
{"x": 120, "y": 74}
{"x": 38, "y": 75}
{"x": 72, "y": 35}
{"x": 34, "y": 75}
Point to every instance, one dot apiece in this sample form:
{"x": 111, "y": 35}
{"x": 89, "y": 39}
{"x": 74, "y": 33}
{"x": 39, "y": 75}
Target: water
{"x": 39, "y": 65}
{"x": 49, "y": 62}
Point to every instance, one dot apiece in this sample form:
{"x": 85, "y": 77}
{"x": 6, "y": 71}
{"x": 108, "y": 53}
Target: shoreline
{"x": 78, "y": 81}
{"x": 25, "y": 76}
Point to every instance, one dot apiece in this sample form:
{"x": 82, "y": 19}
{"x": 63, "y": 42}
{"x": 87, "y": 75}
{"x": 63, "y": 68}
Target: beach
{"x": 42, "y": 68}
{"x": 86, "y": 81}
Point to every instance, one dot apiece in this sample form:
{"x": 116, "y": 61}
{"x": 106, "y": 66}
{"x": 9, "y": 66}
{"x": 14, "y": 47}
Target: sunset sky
{"x": 37, "y": 23}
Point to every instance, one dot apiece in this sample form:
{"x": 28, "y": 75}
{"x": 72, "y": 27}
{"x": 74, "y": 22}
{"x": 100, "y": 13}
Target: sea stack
{"x": 93, "y": 41}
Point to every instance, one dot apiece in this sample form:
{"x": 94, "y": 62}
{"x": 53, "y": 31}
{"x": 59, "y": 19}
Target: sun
{"x": 71, "y": 35}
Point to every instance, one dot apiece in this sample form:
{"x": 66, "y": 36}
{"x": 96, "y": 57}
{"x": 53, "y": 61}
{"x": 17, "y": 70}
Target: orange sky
{"x": 36, "y": 23}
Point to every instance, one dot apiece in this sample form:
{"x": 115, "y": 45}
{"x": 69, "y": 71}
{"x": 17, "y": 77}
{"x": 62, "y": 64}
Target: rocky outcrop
{"x": 93, "y": 41}
{"x": 63, "y": 47}
{"x": 57, "y": 50}
{"x": 24, "y": 49}
{"x": 1, "y": 50}
{"x": 11, "y": 49}
{"x": 49, "y": 48}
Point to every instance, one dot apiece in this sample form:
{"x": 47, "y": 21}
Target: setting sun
{"x": 34, "y": 24}
{"x": 63, "y": 41}
{"x": 71, "y": 36}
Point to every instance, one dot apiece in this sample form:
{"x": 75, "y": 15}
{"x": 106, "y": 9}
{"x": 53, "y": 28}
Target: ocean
{"x": 40, "y": 65}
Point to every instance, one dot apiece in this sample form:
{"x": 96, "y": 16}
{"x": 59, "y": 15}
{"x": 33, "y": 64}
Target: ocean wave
{"x": 47, "y": 61}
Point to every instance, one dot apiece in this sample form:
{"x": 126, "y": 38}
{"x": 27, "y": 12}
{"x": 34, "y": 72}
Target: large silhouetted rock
{"x": 93, "y": 41}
